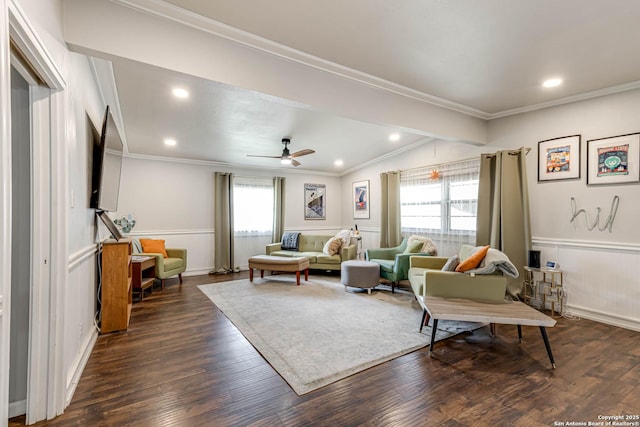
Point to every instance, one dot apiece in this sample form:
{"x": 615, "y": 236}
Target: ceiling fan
{"x": 287, "y": 158}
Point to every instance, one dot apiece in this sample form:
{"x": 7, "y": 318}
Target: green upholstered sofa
{"x": 176, "y": 263}
{"x": 311, "y": 246}
{"x": 428, "y": 279}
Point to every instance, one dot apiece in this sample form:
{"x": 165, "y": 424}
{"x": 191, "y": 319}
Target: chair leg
{"x": 180, "y": 277}
{"x": 162, "y": 284}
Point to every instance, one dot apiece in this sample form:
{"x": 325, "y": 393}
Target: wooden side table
{"x": 143, "y": 274}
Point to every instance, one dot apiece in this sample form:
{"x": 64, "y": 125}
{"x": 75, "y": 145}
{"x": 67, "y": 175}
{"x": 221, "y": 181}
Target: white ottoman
{"x": 360, "y": 274}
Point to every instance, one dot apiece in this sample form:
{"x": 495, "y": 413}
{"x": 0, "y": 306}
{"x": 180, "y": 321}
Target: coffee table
{"x": 279, "y": 263}
{"x": 507, "y": 312}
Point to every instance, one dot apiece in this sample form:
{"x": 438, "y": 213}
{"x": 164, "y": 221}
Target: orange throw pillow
{"x": 473, "y": 261}
{"x": 154, "y": 246}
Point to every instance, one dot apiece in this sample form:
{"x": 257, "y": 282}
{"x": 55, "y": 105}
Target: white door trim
{"x": 5, "y": 210}
{"x": 46, "y": 387}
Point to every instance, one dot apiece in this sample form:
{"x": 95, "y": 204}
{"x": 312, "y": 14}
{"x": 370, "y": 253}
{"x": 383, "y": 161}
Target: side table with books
{"x": 143, "y": 274}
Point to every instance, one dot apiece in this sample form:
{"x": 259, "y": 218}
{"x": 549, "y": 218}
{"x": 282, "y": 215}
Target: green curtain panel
{"x": 223, "y": 223}
{"x": 278, "y": 208}
{"x": 503, "y": 209}
{"x": 390, "y": 235}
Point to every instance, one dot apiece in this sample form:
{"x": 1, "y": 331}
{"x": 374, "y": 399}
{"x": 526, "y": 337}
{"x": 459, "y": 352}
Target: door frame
{"x": 50, "y": 259}
{"x": 5, "y": 210}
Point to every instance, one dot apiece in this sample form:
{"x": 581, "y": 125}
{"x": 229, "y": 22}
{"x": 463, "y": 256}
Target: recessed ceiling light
{"x": 170, "y": 142}
{"x": 552, "y": 82}
{"x": 179, "y": 92}
{"x": 394, "y": 137}
{"x": 338, "y": 162}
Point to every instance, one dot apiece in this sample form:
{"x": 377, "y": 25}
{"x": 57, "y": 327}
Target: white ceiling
{"x": 487, "y": 58}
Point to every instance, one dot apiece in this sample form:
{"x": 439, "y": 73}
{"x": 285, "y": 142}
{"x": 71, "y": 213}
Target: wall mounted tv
{"x": 107, "y": 165}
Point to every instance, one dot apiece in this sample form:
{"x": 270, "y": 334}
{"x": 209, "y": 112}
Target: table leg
{"x": 434, "y": 328}
{"x": 519, "y": 333}
{"x": 306, "y": 274}
{"x": 262, "y": 274}
{"x": 424, "y": 316}
{"x": 543, "y": 330}
{"x": 298, "y": 277}
{"x": 250, "y": 274}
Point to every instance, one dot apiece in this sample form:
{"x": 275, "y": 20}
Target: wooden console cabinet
{"x": 116, "y": 290}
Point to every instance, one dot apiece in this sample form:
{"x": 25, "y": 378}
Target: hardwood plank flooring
{"x": 182, "y": 363}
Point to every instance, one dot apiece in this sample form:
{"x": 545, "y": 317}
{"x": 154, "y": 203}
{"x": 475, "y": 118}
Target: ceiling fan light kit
{"x": 286, "y": 158}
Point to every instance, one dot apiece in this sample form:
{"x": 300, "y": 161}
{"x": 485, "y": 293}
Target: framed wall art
{"x": 613, "y": 160}
{"x": 315, "y": 199}
{"x": 360, "y": 200}
{"x": 559, "y": 158}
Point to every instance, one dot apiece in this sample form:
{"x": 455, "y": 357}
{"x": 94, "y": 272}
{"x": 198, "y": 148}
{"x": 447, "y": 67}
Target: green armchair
{"x": 394, "y": 262}
{"x": 176, "y": 263}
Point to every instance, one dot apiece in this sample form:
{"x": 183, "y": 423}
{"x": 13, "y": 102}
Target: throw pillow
{"x": 474, "y": 259}
{"x": 290, "y": 241}
{"x": 154, "y": 246}
{"x": 413, "y": 247}
{"x": 345, "y": 236}
{"x": 451, "y": 263}
{"x": 332, "y": 246}
{"x": 427, "y": 244}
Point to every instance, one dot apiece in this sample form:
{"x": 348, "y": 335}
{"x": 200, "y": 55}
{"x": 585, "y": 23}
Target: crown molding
{"x": 182, "y": 16}
{"x": 164, "y": 10}
{"x": 105, "y": 80}
{"x": 567, "y": 100}
{"x": 226, "y": 165}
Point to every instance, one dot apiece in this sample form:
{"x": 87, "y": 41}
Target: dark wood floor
{"x": 182, "y": 363}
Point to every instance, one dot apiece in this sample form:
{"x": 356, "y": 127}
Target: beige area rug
{"x": 316, "y": 333}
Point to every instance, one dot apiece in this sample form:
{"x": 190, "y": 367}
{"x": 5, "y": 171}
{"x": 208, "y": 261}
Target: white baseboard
{"x": 197, "y": 272}
{"x": 17, "y": 408}
{"x": 80, "y": 365}
{"x": 600, "y": 317}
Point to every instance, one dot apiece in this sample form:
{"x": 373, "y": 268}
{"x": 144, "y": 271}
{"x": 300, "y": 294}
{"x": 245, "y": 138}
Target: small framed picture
{"x": 315, "y": 199}
{"x": 360, "y": 200}
{"x": 613, "y": 160}
{"x": 559, "y": 158}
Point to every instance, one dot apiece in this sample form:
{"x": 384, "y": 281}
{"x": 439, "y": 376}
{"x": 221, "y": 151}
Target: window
{"x": 446, "y": 204}
{"x": 252, "y": 205}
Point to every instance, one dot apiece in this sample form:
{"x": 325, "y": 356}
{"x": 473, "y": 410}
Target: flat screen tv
{"x": 107, "y": 166}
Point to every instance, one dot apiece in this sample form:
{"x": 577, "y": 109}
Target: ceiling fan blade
{"x": 268, "y": 157}
{"x": 302, "y": 153}
{"x": 294, "y": 162}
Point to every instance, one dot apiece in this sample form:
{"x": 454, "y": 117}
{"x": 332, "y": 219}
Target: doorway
{"x": 21, "y": 238}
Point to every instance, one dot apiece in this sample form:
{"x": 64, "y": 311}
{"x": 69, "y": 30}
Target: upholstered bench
{"x": 279, "y": 263}
{"x": 360, "y": 274}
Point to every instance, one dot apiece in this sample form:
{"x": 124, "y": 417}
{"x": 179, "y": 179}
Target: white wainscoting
{"x": 80, "y": 331}
{"x": 199, "y": 244}
{"x": 600, "y": 278}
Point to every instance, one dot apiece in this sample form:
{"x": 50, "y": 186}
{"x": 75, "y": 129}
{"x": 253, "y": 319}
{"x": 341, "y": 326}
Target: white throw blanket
{"x": 496, "y": 260}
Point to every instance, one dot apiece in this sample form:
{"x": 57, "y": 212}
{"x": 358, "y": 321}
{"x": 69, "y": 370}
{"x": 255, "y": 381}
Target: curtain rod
{"x": 527, "y": 150}
{"x": 438, "y": 164}
{"x": 512, "y": 152}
